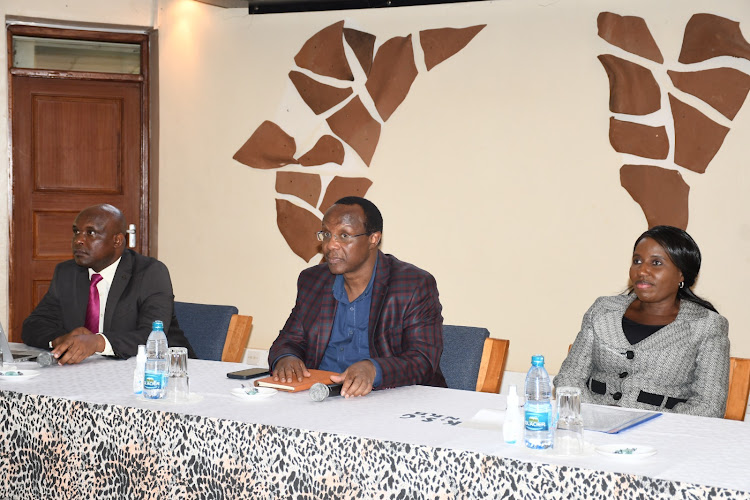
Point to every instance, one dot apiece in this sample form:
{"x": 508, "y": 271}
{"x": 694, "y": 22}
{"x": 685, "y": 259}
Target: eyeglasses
{"x": 342, "y": 238}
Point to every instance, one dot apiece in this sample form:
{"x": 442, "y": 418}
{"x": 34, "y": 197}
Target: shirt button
{"x": 341, "y": 349}
{"x": 617, "y": 396}
{"x": 351, "y": 308}
{"x": 623, "y": 374}
{"x": 629, "y": 354}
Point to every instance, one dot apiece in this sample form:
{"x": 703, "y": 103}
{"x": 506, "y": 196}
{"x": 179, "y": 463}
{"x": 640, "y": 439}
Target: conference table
{"x": 79, "y": 432}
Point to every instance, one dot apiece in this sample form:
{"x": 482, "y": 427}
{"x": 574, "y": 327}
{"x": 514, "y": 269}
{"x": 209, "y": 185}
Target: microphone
{"x": 319, "y": 392}
{"x": 46, "y": 359}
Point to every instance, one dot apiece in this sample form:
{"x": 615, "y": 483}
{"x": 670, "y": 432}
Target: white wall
{"x": 495, "y": 174}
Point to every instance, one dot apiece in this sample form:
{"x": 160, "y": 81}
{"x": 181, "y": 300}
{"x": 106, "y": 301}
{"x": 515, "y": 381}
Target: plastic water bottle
{"x": 156, "y": 373}
{"x": 140, "y": 370}
{"x": 538, "y": 432}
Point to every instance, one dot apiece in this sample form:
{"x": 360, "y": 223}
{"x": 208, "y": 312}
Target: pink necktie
{"x": 92, "y": 311}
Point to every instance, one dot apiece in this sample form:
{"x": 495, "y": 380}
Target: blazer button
{"x": 617, "y": 396}
{"x": 630, "y": 354}
{"x": 623, "y": 374}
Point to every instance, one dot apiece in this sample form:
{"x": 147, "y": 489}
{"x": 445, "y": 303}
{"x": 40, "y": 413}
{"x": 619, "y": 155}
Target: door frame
{"x": 146, "y": 38}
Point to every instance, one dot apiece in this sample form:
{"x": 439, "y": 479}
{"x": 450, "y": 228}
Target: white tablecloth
{"x": 694, "y": 450}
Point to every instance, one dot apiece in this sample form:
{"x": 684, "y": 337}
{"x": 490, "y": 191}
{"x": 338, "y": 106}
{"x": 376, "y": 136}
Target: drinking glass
{"x": 569, "y": 431}
{"x": 178, "y": 387}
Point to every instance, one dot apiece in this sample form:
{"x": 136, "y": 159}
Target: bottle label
{"x": 537, "y": 420}
{"x": 154, "y": 381}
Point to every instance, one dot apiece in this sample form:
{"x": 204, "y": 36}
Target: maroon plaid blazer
{"x": 405, "y": 329}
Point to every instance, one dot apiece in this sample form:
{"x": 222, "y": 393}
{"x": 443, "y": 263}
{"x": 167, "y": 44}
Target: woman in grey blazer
{"x": 660, "y": 347}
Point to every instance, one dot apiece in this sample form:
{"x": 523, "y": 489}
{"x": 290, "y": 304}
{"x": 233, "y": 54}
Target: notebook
{"x": 15, "y": 354}
{"x": 322, "y": 376}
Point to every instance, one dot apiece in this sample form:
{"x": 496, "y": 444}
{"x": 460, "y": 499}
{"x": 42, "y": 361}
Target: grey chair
{"x": 471, "y": 361}
{"x": 215, "y": 332}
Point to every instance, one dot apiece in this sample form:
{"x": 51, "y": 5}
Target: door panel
{"x": 76, "y": 143}
{"x": 51, "y": 235}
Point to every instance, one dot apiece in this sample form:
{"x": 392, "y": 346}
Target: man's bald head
{"x": 98, "y": 236}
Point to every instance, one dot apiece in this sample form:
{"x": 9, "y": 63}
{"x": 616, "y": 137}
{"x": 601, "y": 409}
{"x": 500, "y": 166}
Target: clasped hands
{"x": 74, "y": 347}
{"x": 356, "y": 380}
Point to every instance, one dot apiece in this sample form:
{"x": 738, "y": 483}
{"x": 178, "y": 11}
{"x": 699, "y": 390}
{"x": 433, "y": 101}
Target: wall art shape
{"x": 298, "y": 224}
{"x": 338, "y": 106}
{"x": 328, "y": 149}
{"x": 269, "y": 147}
{"x": 393, "y": 72}
{"x": 632, "y": 88}
{"x": 323, "y": 53}
{"x": 318, "y": 96}
{"x": 344, "y": 186}
{"x": 661, "y": 193}
{"x": 697, "y": 137}
{"x": 356, "y": 127}
{"x": 708, "y": 36}
{"x": 298, "y": 227}
{"x": 640, "y": 140}
{"x": 303, "y": 186}
{"x": 440, "y": 44}
{"x": 725, "y": 89}
{"x": 630, "y": 33}
{"x": 363, "y": 45}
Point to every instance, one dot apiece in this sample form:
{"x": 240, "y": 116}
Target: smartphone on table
{"x": 249, "y": 373}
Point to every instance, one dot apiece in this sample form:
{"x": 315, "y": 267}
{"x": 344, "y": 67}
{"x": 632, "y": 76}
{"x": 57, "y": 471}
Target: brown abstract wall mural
{"x": 353, "y": 90}
{"x": 659, "y": 134}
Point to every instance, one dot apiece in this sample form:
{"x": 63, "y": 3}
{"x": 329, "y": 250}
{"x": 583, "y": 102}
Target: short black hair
{"x": 373, "y": 217}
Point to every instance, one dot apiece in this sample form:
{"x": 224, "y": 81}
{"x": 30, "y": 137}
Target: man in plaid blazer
{"x": 364, "y": 314}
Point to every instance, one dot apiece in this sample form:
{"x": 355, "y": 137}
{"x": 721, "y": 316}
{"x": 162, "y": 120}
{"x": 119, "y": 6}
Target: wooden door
{"x": 76, "y": 142}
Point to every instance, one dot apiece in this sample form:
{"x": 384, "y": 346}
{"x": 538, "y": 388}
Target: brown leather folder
{"x": 322, "y": 376}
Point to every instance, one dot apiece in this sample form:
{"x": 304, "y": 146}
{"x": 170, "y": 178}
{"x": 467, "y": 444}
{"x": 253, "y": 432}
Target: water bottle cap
{"x": 158, "y": 325}
{"x": 537, "y": 360}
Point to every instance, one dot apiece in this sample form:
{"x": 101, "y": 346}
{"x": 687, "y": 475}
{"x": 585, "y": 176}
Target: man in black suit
{"x": 132, "y": 290}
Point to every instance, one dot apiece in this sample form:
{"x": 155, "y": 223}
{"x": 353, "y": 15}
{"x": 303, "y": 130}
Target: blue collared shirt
{"x": 349, "y": 341}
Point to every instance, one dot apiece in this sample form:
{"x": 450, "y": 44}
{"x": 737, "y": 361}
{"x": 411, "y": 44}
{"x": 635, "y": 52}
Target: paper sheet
{"x": 613, "y": 420}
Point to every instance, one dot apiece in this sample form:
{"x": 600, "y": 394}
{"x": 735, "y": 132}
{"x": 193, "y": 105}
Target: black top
{"x": 635, "y": 332}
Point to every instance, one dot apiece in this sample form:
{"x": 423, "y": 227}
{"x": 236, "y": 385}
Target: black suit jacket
{"x": 141, "y": 292}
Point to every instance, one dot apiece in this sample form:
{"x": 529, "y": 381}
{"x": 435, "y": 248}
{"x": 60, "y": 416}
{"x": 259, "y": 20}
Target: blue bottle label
{"x": 154, "y": 381}
{"x": 536, "y": 421}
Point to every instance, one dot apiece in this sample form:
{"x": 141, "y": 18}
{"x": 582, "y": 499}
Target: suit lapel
{"x": 81, "y": 299}
{"x": 324, "y": 324}
{"x": 379, "y": 291}
{"x": 689, "y": 312}
{"x": 120, "y": 281}
{"x": 609, "y": 324}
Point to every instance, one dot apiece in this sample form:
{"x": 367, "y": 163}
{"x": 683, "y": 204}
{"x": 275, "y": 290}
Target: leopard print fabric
{"x": 58, "y": 448}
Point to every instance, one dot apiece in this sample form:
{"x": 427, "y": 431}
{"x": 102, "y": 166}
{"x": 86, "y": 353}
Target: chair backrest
{"x": 205, "y": 327}
{"x": 492, "y": 367}
{"x": 471, "y": 361}
{"x": 739, "y": 388}
{"x": 237, "y": 337}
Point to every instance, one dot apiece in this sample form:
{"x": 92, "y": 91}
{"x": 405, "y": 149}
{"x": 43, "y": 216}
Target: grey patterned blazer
{"x": 682, "y": 368}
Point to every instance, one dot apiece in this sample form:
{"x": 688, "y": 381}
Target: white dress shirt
{"x": 108, "y": 275}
